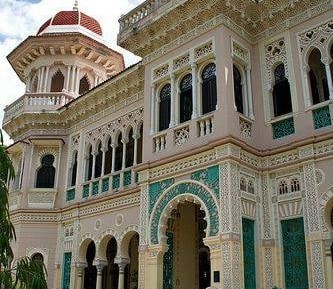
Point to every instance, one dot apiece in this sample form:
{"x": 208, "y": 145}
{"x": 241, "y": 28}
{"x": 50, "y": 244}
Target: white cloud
{"x": 19, "y": 19}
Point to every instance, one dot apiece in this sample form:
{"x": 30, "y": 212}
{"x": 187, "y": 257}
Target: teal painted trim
{"x": 105, "y": 185}
{"x": 191, "y": 188}
{"x": 70, "y": 195}
{"x": 116, "y": 182}
{"x": 66, "y": 277}
{"x": 95, "y": 188}
{"x": 85, "y": 191}
{"x": 249, "y": 255}
{"x": 127, "y": 178}
{"x": 210, "y": 177}
{"x": 156, "y": 189}
{"x": 321, "y": 117}
{"x": 283, "y": 128}
{"x": 168, "y": 263}
{"x": 294, "y": 252}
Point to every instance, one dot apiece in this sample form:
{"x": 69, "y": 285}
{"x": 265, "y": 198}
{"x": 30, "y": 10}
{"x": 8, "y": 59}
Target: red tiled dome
{"x": 73, "y": 18}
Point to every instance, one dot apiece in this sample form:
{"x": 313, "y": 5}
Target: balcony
{"x": 39, "y": 198}
{"x": 36, "y": 102}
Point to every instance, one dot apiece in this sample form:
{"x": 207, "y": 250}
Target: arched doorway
{"x": 186, "y": 264}
{"x": 111, "y": 271}
{"x": 131, "y": 269}
{"x": 90, "y": 272}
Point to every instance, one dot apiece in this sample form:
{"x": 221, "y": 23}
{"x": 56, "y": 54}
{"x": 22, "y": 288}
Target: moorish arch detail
{"x": 185, "y": 191}
{"x": 326, "y": 206}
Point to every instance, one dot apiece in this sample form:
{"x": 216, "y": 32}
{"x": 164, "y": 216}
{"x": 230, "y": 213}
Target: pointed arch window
{"x": 186, "y": 105}
{"x": 89, "y": 163}
{"x": 84, "y": 85}
{"x": 165, "y": 107}
{"x": 74, "y": 169}
{"x": 130, "y": 150}
{"x": 98, "y": 161}
{"x": 119, "y": 154}
{"x": 46, "y": 172}
{"x": 57, "y": 82}
{"x": 238, "y": 89}
{"x": 209, "y": 92}
{"x": 139, "y": 148}
{"x": 317, "y": 77}
{"x": 281, "y": 92}
{"x": 108, "y": 158}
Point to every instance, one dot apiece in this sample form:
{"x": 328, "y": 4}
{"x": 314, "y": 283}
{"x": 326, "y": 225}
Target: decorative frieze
{"x": 182, "y": 135}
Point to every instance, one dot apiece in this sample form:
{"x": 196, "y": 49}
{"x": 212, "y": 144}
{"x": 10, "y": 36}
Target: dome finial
{"x": 76, "y": 5}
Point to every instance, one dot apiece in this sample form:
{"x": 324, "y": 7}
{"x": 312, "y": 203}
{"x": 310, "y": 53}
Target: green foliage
{"x": 25, "y": 273}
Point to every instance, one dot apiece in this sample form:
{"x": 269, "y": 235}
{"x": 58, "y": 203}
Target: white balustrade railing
{"x": 159, "y": 142}
{"x": 205, "y": 125}
{"x": 35, "y": 102}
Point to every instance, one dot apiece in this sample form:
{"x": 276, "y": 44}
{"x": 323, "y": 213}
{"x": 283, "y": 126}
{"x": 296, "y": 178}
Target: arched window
{"x": 250, "y": 187}
{"x": 318, "y": 78}
{"x": 57, "y": 82}
{"x": 283, "y": 187}
{"x": 90, "y": 272}
{"x": 242, "y": 184}
{"x": 46, "y": 173}
{"x": 38, "y": 257}
{"x": 119, "y": 154}
{"x": 294, "y": 185}
{"x": 74, "y": 169}
{"x": 209, "y": 92}
{"x": 130, "y": 150}
{"x": 165, "y": 106}
{"x": 98, "y": 161}
{"x": 84, "y": 85}
{"x": 139, "y": 153}
{"x": 238, "y": 89}
{"x": 108, "y": 158}
{"x": 186, "y": 105}
{"x": 281, "y": 92}
{"x": 89, "y": 163}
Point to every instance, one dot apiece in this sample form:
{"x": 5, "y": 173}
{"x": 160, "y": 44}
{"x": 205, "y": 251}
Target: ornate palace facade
{"x": 208, "y": 163}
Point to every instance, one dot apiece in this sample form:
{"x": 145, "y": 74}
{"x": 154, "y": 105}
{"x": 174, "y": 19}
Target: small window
{"x": 209, "y": 92}
{"x": 84, "y": 85}
{"x": 294, "y": 185}
{"x": 283, "y": 187}
{"x": 130, "y": 150}
{"x": 139, "y": 153}
{"x": 74, "y": 170}
{"x": 165, "y": 107}
{"x": 281, "y": 92}
{"x": 186, "y": 104}
{"x": 46, "y": 173}
{"x": 57, "y": 82}
{"x": 250, "y": 187}
{"x": 242, "y": 184}
{"x": 238, "y": 89}
{"x": 318, "y": 78}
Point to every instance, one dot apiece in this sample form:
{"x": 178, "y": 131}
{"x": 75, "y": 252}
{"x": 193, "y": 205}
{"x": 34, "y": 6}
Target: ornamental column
{"x": 67, "y": 78}
{"x": 80, "y": 272}
{"x": 122, "y": 262}
{"x": 329, "y": 77}
{"x": 172, "y": 101}
{"x": 93, "y": 165}
{"x": 72, "y": 79}
{"x": 46, "y": 78}
{"x": 152, "y": 110}
{"x": 194, "y": 91}
{"x": 77, "y": 81}
{"x": 249, "y": 92}
{"x": 124, "y": 141}
{"x": 135, "y": 157}
{"x": 114, "y": 146}
{"x": 214, "y": 244}
{"x": 103, "y": 160}
{"x": 155, "y": 265}
{"x": 100, "y": 264}
{"x": 306, "y": 82}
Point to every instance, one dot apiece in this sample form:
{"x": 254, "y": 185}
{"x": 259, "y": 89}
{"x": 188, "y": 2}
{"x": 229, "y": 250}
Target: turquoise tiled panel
{"x": 95, "y": 188}
{"x": 249, "y": 254}
{"x": 116, "y": 182}
{"x": 66, "y": 270}
{"x": 283, "y": 128}
{"x": 127, "y": 178}
{"x": 70, "y": 195}
{"x": 321, "y": 117}
{"x": 105, "y": 184}
{"x": 85, "y": 192}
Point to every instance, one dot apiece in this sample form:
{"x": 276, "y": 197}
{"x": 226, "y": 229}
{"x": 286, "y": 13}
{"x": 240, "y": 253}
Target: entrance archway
{"x": 111, "y": 271}
{"x": 131, "y": 269}
{"x": 90, "y": 272}
{"x": 186, "y": 264}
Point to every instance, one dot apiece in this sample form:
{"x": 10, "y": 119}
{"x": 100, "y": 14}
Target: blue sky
{"x": 21, "y": 18}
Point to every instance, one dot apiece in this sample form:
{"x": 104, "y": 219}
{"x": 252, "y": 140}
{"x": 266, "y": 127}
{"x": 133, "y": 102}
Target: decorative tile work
{"x": 321, "y": 117}
{"x": 95, "y": 188}
{"x": 66, "y": 270}
{"x": 85, "y": 191}
{"x": 168, "y": 263}
{"x": 180, "y": 189}
{"x": 116, "y": 182}
{"x": 283, "y": 128}
{"x": 127, "y": 178}
{"x": 105, "y": 184}
{"x": 70, "y": 195}
{"x": 249, "y": 254}
{"x": 317, "y": 265}
{"x": 295, "y": 265}
{"x": 156, "y": 189}
{"x": 210, "y": 177}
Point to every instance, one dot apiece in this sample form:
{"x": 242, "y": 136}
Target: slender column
{"x": 103, "y": 161}
{"x": 329, "y": 78}
{"x": 113, "y": 165}
{"x": 46, "y": 77}
{"x": 67, "y": 78}
{"x": 135, "y": 158}
{"x": 28, "y": 84}
{"x": 100, "y": 264}
{"x": 124, "y": 141}
{"x": 72, "y": 79}
{"x": 152, "y": 110}
{"x": 39, "y": 79}
{"x": 79, "y": 277}
{"x": 194, "y": 91}
{"x": 172, "y": 104}
{"x": 77, "y": 81}
{"x": 306, "y": 83}
{"x": 93, "y": 165}
{"x": 249, "y": 92}
{"x": 42, "y": 80}
{"x": 121, "y": 264}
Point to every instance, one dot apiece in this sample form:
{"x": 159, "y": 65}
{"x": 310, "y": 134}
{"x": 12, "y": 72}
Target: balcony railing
{"x": 36, "y": 102}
